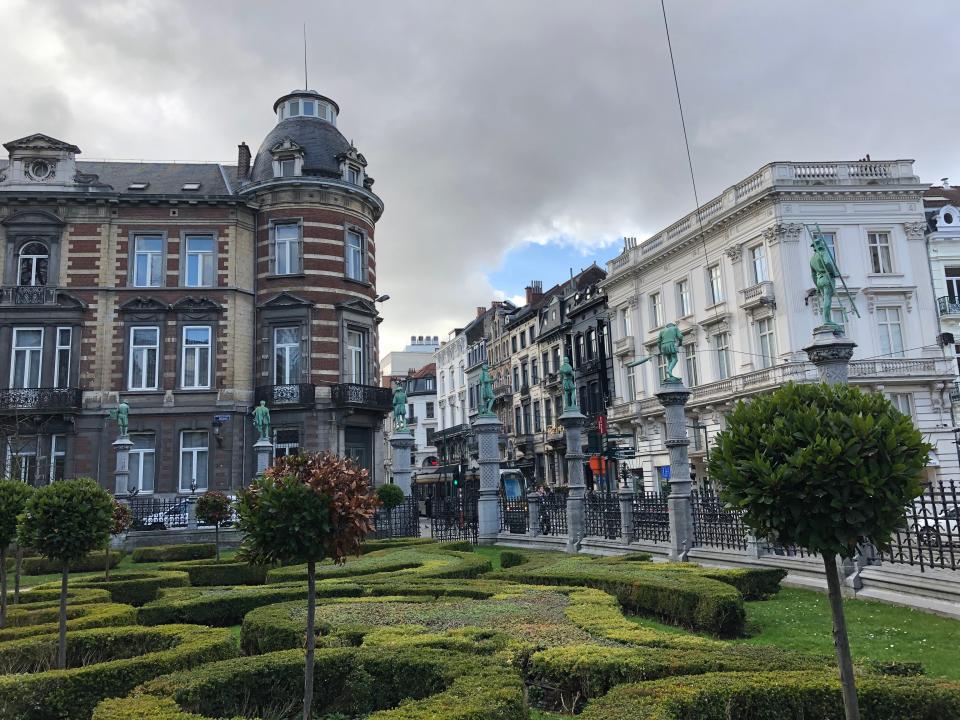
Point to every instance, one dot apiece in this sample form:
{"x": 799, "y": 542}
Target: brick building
{"x": 191, "y": 291}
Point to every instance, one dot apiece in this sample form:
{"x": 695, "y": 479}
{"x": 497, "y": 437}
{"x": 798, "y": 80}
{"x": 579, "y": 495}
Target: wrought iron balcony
{"x": 948, "y": 305}
{"x": 411, "y": 419}
{"x": 28, "y": 295}
{"x": 551, "y": 379}
{"x": 286, "y": 395}
{"x": 502, "y": 390}
{"x": 524, "y": 390}
{"x": 40, "y": 400}
{"x": 365, "y": 397}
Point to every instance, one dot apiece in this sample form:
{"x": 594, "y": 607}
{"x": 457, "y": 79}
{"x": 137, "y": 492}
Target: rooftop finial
{"x": 306, "y": 79}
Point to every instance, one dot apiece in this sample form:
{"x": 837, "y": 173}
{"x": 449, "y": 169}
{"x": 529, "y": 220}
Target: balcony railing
{"x": 757, "y": 295}
{"x": 286, "y": 395}
{"x": 623, "y": 346}
{"x": 551, "y": 379}
{"x": 948, "y": 305}
{"x": 28, "y": 295}
{"x": 503, "y": 390}
{"x": 367, "y": 397}
{"x": 411, "y": 419}
{"x": 40, "y": 399}
{"x": 524, "y": 390}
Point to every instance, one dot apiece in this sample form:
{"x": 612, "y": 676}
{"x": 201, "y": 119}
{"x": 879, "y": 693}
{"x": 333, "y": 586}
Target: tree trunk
{"x": 62, "y": 646}
{"x": 840, "y": 641}
{"x": 3, "y": 587}
{"x": 311, "y": 639}
{"x": 216, "y": 535}
{"x": 16, "y": 575}
{"x": 106, "y": 572}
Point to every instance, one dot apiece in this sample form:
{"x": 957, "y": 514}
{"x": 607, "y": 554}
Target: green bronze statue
{"x": 399, "y": 407}
{"x": 569, "y": 385}
{"x": 668, "y": 343}
{"x": 825, "y": 273}
{"x": 122, "y": 416}
{"x": 486, "y": 391}
{"x": 261, "y": 420}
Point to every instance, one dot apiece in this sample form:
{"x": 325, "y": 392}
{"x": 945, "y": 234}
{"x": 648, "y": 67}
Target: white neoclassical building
{"x": 735, "y": 276}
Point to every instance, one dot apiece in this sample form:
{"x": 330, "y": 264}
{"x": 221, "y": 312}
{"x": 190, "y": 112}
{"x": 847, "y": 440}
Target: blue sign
{"x": 664, "y": 472}
{"x": 221, "y": 418}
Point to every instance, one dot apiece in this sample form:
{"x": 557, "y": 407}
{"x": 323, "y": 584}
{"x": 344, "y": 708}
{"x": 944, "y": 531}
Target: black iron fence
{"x": 157, "y": 513}
{"x": 714, "y": 524}
{"x": 514, "y": 516}
{"x": 651, "y": 519}
{"x": 553, "y": 513}
{"x": 602, "y": 511}
{"x": 456, "y": 517}
{"x": 930, "y": 535}
{"x": 400, "y": 522}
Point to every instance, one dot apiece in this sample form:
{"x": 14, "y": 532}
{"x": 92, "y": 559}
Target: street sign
{"x": 221, "y": 418}
{"x": 664, "y": 471}
{"x": 614, "y": 436}
{"x": 625, "y": 454}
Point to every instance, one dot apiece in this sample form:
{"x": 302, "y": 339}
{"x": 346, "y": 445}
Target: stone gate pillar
{"x": 573, "y": 421}
{"x": 487, "y": 430}
{"x": 673, "y": 397}
{"x": 402, "y": 443}
{"x": 122, "y": 445}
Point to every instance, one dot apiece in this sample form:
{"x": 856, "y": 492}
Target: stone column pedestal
{"x": 533, "y": 514}
{"x": 402, "y": 443}
{"x": 625, "y": 494}
{"x": 192, "y": 512}
{"x": 487, "y": 430}
{"x": 122, "y": 446}
{"x": 830, "y": 352}
{"x": 263, "y": 449}
{"x": 673, "y": 397}
{"x": 573, "y": 421}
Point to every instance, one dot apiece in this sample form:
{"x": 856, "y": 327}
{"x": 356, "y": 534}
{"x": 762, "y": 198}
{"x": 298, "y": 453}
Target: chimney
{"x": 534, "y": 291}
{"x": 480, "y": 310}
{"x": 243, "y": 161}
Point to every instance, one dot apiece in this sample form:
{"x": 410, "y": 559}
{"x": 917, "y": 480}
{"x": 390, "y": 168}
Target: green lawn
{"x": 800, "y": 619}
{"x": 491, "y": 553}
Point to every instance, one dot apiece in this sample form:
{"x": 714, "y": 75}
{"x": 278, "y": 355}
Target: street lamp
{"x": 381, "y": 298}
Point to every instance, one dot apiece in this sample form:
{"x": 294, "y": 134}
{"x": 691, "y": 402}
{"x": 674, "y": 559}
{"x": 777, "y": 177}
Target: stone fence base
{"x": 147, "y": 538}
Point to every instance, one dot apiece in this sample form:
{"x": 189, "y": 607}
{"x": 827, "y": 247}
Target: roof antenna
{"x": 306, "y": 81}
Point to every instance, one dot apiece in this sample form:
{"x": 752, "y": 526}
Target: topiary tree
{"x": 64, "y": 521}
{"x": 122, "y": 520}
{"x": 824, "y": 468}
{"x": 305, "y": 508}
{"x": 213, "y": 508}
{"x": 13, "y": 497}
{"x": 390, "y": 496}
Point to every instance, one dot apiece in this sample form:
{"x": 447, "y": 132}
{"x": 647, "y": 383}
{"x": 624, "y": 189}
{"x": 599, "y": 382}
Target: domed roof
{"x": 320, "y": 141}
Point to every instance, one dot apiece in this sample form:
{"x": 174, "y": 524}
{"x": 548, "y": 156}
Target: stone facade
{"x": 191, "y": 292}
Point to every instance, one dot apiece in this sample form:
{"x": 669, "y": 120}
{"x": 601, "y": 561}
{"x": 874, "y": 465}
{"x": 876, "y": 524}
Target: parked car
{"x": 936, "y": 529}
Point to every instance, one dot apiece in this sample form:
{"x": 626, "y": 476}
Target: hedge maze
{"x": 420, "y": 630}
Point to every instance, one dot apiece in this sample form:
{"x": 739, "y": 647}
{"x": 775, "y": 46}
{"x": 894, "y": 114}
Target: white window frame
{"x": 29, "y": 352}
{"x": 684, "y": 299}
{"x": 899, "y": 399}
{"x": 354, "y": 175}
{"x": 656, "y": 310}
{"x": 722, "y": 342}
{"x": 758, "y": 264}
{"x": 62, "y": 357}
{"x": 196, "y": 453}
{"x": 34, "y": 260}
{"x": 715, "y": 283}
{"x": 881, "y": 253}
{"x": 291, "y": 374}
{"x": 356, "y": 356}
{"x": 199, "y": 369}
{"x": 630, "y": 383}
{"x": 56, "y": 454}
{"x": 287, "y": 255}
{"x": 204, "y": 258}
{"x": 767, "y": 342}
{"x": 690, "y": 367}
{"x": 626, "y": 324}
{"x": 154, "y": 260}
{"x": 29, "y": 448}
{"x": 354, "y": 265}
{"x": 137, "y": 465}
{"x": 282, "y": 449}
{"x": 134, "y": 349}
{"x": 884, "y": 327}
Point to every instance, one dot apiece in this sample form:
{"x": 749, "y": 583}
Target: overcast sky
{"x": 494, "y": 128}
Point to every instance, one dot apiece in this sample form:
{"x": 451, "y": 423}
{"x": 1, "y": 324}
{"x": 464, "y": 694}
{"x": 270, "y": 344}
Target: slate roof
{"x": 321, "y": 143}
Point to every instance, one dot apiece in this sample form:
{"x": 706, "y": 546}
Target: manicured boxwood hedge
{"x": 173, "y": 553}
{"x": 429, "y": 683}
{"x": 36, "y": 565}
{"x": 225, "y": 606}
{"x": 226, "y": 572}
{"x": 511, "y": 558}
{"x": 49, "y": 596}
{"x": 370, "y": 546}
{"x": 132, "y": 588}
{"x": 26, "y": 620}
{"x": 684, "y": 598}
{"x": 117, "y": 660}
{"x": 776, "y": 696}
{"x": 422, "y": 562}
{"x": 577, "y": 673}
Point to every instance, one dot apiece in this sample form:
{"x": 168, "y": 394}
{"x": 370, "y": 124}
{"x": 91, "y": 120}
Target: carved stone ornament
{"x": 789, "y": 232}
{"x": 734, "y": 252}
{"x": 915, "y": 230}
{"x": 830, "y": 353}
{"x": 673, "y": 396}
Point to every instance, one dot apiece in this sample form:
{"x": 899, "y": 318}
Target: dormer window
{"x": 288, "y": 167}
{"x": 353, "y": 175}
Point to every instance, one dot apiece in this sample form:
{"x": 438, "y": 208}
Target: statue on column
{"x": 486, "y": 391}
{"x": 824, "y": 272}
{"x": 261, "y": 420}
{"x": 399, "y": 407}
{"x": 569, "y": 385}
{"x": 122, "y": 416}
{"x": 668, "y": 343}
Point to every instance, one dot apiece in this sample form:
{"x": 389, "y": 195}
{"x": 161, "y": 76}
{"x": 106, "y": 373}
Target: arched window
{"x": 34, "y": 258}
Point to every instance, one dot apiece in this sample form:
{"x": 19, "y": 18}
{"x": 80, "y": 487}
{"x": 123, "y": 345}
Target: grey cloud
{"x": 483, "y": 120}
